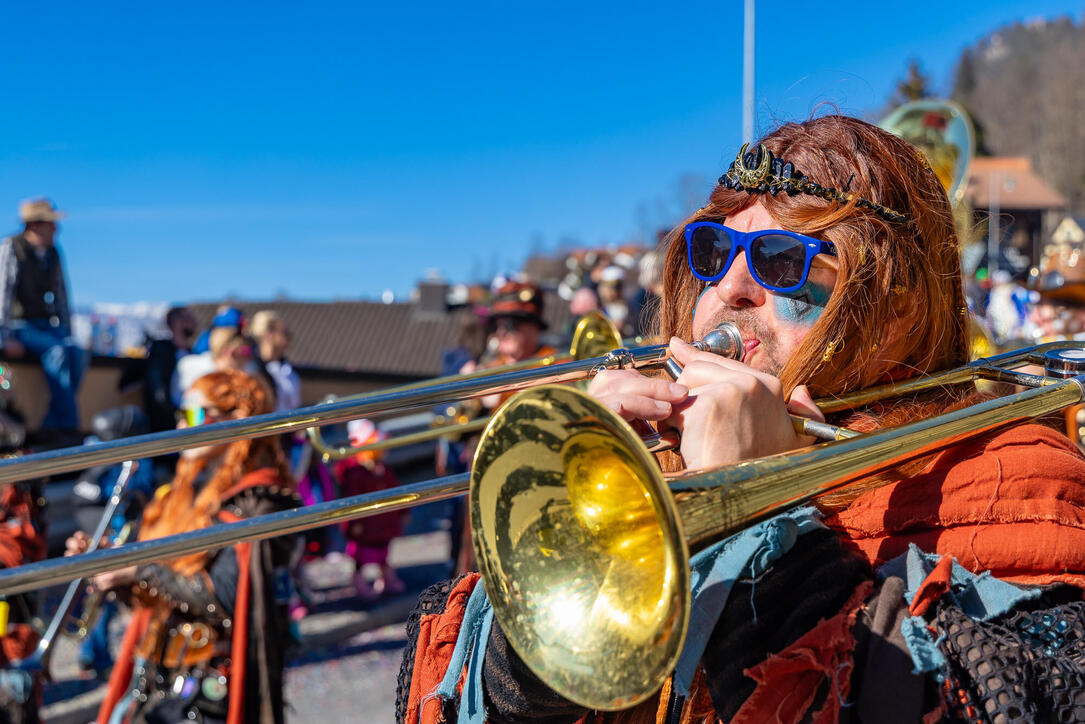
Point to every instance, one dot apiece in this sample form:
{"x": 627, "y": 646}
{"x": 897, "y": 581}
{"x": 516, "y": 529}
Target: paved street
{"x": 341, "y": 683}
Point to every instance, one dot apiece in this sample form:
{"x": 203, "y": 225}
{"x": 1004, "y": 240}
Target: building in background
{"x": 1027, "y": 208}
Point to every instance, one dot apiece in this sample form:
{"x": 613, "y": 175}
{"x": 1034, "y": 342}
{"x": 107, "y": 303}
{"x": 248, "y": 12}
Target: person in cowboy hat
{"x": 35, "y": 320}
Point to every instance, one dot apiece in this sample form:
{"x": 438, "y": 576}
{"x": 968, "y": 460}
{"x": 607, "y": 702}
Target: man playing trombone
{"x": 831, "y": 246}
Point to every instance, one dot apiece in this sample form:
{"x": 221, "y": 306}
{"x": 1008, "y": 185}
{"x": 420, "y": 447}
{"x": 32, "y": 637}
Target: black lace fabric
{"x": 1025, "y": 666}
{"x": 431, "y": 601}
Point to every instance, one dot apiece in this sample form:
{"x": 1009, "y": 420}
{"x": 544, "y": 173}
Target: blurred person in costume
{"x": 22, "y": 541}
{"x": 208, "y": 633}
{"x": 515, "y": 323}
{"x": 35, "y": 319}
{"x": 943, "y": 590}
{"x": 368, "y": 538}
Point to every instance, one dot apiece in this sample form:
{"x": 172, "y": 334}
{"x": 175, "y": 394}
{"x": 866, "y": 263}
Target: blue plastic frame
{"x": 742, "y": 240}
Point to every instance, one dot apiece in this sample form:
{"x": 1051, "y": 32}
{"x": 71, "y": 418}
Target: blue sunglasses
{"x": 778, "y": 260}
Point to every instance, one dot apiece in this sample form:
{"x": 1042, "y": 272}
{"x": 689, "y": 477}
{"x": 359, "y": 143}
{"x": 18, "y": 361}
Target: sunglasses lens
{"x": 709, "y": 249}
{"x": 194, "y": 416}
{"x": 778, "y": 260}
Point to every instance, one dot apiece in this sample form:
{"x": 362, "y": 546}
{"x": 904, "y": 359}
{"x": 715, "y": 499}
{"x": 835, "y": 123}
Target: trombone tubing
{"x": 712, "y": 503}
{"x": 57, "y": 570}
{"x": 412, "y": 396}
{"x": 720, "y": 502}
{"x": 338, "y": 453}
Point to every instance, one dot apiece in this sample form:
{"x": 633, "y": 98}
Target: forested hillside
{"x": 1024, "y": 86}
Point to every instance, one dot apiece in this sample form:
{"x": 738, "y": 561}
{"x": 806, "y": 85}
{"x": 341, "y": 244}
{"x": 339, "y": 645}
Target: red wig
{"x": 181, "y": 508}
{"x": 903, "y": 277}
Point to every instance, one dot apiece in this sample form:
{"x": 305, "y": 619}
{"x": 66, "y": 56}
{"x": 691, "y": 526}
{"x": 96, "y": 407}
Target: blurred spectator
{"x": 368, "y": 538}
{"x": 1007, "y": 307}
{"x": 643, "y": 304}
{"x": 611, "y": 298}
{"x": 470, "y": 343}
{"x": 584, "y": 300}
{"x": 162, "y": 358}
{"x": 597, "y": 262}
{"x": 228, "y": 351}
{"x": 1059, "y": 312}
{"x": 225, "y": 316}
{"x": 453, "y": 455}
{"x": 272, "y": 338}
{"x": 34, "y": 317}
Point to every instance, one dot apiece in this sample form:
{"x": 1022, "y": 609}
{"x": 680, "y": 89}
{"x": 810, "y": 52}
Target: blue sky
{"x": 334, "y": 150}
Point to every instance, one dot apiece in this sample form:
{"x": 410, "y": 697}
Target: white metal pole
{"x": 747, "y": 73}
{"x": 994, "y": 225}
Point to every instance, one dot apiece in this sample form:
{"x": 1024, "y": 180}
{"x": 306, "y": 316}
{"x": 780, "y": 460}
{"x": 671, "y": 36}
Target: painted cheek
{"x": 803, "y": 307}
{"x": 707, "y": 289}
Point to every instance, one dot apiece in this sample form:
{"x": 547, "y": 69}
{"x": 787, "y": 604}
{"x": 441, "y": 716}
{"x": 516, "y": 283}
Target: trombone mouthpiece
{"x": 725, "y": 340}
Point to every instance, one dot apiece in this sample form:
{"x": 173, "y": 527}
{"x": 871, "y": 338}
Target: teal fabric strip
{"x": 473, "y": 618}
{"x": 923, "y": 648}
{"x": 472, "y": 707}
{"x": 981, "y": 596}
{"x": 714, "y": 571}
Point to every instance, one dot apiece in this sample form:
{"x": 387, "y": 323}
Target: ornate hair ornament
{"x": 759, "y": 172}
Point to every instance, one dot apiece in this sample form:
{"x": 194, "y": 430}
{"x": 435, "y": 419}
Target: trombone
{"x": 812, "y": 470}
{"x": 594, "y": 335}
{"x": 584, "y": 546}
{"x": 40, "y": 659}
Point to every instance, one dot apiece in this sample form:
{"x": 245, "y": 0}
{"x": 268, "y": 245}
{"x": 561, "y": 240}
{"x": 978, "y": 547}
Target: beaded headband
{"x": 759, "y": 172}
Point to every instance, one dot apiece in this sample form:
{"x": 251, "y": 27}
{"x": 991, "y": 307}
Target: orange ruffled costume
{"x": 1013, "y": 504}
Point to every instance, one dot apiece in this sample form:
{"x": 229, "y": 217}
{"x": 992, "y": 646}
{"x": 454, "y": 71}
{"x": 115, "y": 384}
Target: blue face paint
{"x": 708, "y": 288}
{"x": 804, "y": 306}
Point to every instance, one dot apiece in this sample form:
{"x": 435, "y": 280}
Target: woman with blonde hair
{"x": 209, "y": 630}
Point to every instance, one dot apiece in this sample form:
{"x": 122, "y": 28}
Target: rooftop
{"x": 1017, "y": 184}
{"x": 402, "y": 339}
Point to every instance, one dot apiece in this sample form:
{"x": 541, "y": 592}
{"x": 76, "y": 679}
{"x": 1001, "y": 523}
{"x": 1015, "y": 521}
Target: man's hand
{"x": 733, "y": 411}
{"x": 79, "y": 542}
{"x": 14, "y": 349}
{"x": 114, "y": 579}
{"x": 634, "y": 396}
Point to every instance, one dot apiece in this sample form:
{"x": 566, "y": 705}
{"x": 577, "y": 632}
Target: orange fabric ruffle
{"x": 1013, "y": 503}
{"x": 437, "y": 635}
{"x": 788, "y": 682}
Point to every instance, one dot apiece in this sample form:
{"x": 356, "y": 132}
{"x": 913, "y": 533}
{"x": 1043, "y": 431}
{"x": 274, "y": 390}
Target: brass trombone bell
{"x": 583, "y": 545}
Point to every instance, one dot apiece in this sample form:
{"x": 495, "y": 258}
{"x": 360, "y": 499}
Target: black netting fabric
{"x": 430, "y": 601}
{"x": 1025, "y": 666}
